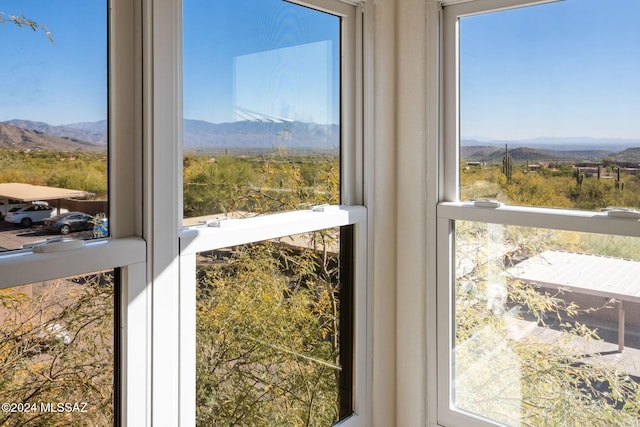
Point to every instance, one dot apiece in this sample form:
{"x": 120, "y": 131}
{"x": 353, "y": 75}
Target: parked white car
{"x": 27, "y": 214}
{"x": 5, "y": 208}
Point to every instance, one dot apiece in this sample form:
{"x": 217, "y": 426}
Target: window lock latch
{"x": 486, "y": 203}
{"x": 55, "y": 244}
{"x": 217, "y": 222}
{"x": 325, "y": 208}
{"x": 615, "y": 212}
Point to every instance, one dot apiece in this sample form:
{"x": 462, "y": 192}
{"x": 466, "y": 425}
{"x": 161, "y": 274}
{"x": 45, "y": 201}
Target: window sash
{"x": 232, "y": 232}
{"x": 167, "y": 166}
{"x": 129, "y": 256}
{"x": 18, "y": 267}
{"x": 123, "y": 250}
{"x": 452, "y": 11}
{"x": 249, "y": 230}
{"x": 448, "y": 207}
{"x": 558, "y": 219}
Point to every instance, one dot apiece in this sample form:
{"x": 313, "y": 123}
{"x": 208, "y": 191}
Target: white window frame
{"x": 448, "y": 208}
{"x": 236, "y": 232}
{"x": 125, "y": 250}
{"x": 172, "y": 248}
{"x": 145, "y": 158}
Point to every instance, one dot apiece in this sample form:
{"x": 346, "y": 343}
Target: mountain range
{"x": 18, "y": 138}
{"x": 251, "y": 135}
{"x": 198, "y": 136}
{"x": 94, "y": 132}
{"x": 550, "y": 149}
{"x": 202, "y": 136}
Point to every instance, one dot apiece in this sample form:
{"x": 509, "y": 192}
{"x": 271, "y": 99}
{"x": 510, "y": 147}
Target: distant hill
{"x": 248, "y": 135}
{"x": 545, "y": 149}
{"x": 628, "y": 155}
{"x": 557, "y": 144}
{"x": 479, "y": 153}
{"x": 92, "y": 131}
{"x": 17, "y": 138}
{"x": 493, "y": 154}
{"x": 201, "y": 135}
{"x": 95, "y": 132}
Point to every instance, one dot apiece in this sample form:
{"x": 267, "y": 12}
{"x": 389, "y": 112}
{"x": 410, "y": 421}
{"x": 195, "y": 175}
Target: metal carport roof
{"x": 603, "y": 276}
{"x": 30, "y": 193}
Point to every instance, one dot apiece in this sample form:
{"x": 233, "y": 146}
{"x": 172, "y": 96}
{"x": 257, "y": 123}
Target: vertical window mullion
{"x": 162, "y": 143}
{"x": 188, "y": 328}
{"x": 451, "y": 126}
{"x": 135, "y": 356}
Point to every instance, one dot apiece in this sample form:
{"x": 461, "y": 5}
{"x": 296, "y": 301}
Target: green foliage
{"x": 534, "y": 190}
{"x": 77, "y": 171}
{"x": 218, "y": 186}
{"x": 259, "y": 184}
{"x": 267, "y": 348}
{"x": 559, "y": 187}
{"x": 507, "y": 371}
{"x": 57, "y": 346}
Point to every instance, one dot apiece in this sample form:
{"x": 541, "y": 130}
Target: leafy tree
{"x": 268, "y": 314}
{"x": 258, "y": 184}
{"x": 506, "y": 372}
{"x": 268, "y": 349}
{"x": 56, "y": 346}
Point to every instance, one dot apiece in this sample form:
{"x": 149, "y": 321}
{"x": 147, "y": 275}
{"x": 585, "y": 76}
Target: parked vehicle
{"x": 7, "y": 204}
{"x": 68, "y": 222}
{"x": 28, "y": 213}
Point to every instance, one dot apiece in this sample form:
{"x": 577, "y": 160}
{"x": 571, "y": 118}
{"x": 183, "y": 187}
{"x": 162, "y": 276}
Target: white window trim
{"x": 171, "y": 378}
{"x": 123, "y": 250}
{"x": 128, "y": 255}
{"x": 447, "y": 207}
{"x": 145, "y": 128}
{"x": 236, "y": 232}
{"x": 18, "y": 266}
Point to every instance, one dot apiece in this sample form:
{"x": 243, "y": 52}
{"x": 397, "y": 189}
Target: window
{"x": 271, "y": 243}
{"x": 537, "y": 231}
{"x": 262, "y": 107}
{"x": 53, "y": 116}
{"x": 59, "y": 351}
{"x": 274, "y": 328}
{"x": 63, "y": 98}
{"x": 151, "y": 248}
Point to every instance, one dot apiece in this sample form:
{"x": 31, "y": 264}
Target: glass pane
{"x": 261, "y": 107}
{"x": 549, "y": 100}
{"x": 273, "y": 332}
{"x": 540, "y": 318}
{"x": 57, "y": 352}
{"x": 53, "y": 110}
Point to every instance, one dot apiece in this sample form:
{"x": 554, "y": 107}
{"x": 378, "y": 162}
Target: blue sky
{"x": 272, "y": 58}
{"x": 266, "y": 57}
{"x": 565, "y": 69}
{"x": 61, "y": 83}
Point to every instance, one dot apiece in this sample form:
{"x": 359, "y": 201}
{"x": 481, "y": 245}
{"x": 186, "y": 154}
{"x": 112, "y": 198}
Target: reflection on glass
{"x": 548, "y": 109}
{"x": 53, "y": 129}
{"x": 261, "y": 107}
{"x": 540, "y": 322}
{"x": 57, "y": 352}
{"x": 269, "y": 341}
